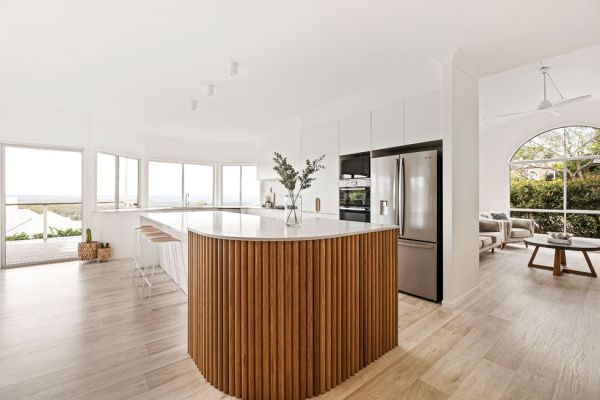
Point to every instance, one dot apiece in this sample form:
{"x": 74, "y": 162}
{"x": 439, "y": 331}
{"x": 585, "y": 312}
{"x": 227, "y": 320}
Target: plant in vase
{"x": 295, "y": 182}
{"x": 87, "y": 250}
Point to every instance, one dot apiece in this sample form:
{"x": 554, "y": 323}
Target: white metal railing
{"x": 44, "y": 215}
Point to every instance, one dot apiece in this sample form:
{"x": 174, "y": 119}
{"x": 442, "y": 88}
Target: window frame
{"x": 565, "y": 211}
{"x": 183, "y": 164}
{"x": 239, "y": 203}
{"x": 117, "y": 179}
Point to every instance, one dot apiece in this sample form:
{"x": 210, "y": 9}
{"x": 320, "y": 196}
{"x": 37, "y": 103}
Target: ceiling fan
{"x": 546, "y": 105}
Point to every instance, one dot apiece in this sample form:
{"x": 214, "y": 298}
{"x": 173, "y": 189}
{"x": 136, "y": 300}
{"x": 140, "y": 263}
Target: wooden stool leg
{"x": 557, "y": 267}
{"x": 563, "y": 257}
{"x": 533, "y": 256}
{"x": 589, "y": 263}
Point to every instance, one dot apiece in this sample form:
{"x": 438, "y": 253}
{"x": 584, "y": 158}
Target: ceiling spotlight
{"x": 233, "y": 68}
{"x": 210, "y": 90}
{"x": 194, "y": 105}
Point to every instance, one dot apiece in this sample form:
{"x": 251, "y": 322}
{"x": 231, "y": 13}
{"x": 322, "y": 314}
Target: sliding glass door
{"x": 42, "y": 213}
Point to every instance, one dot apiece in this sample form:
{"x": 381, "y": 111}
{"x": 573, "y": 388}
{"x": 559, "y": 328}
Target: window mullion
{"x": 565, "y": 179}
{"x": 117, "y": 182}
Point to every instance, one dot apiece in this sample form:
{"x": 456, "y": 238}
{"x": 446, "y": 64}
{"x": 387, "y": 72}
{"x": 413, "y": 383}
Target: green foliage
{"x": 17, "y": 236}
{"x": 525, "y": 193}
{"x": 88, "y": 235}
{"x": 54, "y": 233}
{"x": 289, "y": 177}
{"x": 582, "y": 194}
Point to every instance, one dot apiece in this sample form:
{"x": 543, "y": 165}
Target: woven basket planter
{"x": 87, "y": 251}
{"x": 104, "y": 254}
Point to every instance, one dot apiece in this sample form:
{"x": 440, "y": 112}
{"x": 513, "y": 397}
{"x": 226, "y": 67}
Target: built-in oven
{"x": 355, "y": 200}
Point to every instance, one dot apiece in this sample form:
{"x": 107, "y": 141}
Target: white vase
{"x": 293, "y": 210}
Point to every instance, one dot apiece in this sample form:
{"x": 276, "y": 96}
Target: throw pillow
{"x": 499, "y": 216}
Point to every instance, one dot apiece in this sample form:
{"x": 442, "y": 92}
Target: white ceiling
{"x": 575, "y": 74}
{"x": 140, "y": 62}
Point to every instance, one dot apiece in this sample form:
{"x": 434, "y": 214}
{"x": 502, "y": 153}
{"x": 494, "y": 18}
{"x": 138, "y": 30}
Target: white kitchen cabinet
{"x": 314, "y": 143}
{"x": 388, "y": 126}
{"x": 289, "y": 147}
{"x": 423, "y": 118}
{"x": 355, "y": 133}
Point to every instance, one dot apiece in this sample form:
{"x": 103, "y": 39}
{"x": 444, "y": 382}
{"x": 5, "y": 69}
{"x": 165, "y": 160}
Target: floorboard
{"x": 80, "y": 331}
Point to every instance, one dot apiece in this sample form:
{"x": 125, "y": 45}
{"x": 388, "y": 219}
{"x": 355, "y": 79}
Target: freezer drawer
{"x": 418, "y": 269}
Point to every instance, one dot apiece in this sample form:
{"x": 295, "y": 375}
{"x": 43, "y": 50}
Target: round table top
{"x": 576, "y": 243}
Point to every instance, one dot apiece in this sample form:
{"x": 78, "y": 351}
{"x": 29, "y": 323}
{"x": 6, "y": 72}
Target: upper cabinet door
{"x": 388, "y": 126}
{"x": 423, "y": 118}
{"x": 355, "y": 134}
{"x": 315, "y": 143}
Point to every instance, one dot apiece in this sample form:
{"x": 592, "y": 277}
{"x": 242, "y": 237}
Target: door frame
{"x": 3, "y": 147}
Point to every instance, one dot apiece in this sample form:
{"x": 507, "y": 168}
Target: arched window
{"x": 555, "y": 180}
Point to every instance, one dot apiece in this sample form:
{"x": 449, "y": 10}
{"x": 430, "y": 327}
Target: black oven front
{"x": 355, "y": 200}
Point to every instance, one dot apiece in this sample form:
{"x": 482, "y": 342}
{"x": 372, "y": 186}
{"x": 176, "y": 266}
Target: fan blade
{"x": 573, "y": 100}
{"x": 516, "y": 113}
{"x": 552, "y": 112}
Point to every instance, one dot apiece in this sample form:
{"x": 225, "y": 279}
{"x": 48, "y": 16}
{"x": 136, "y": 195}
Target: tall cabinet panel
{"x": 423, "y": 118}
{"x": 388, "y": 126}
{"x": 355, "y": 133}
{"x": 314, "y": 143}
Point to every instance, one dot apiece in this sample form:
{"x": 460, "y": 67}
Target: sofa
{"x": 513, "y": 230}
{"x": 490, "y": 235}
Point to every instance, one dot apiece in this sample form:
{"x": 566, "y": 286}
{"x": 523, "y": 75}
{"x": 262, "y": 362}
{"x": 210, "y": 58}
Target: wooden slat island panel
{"x": 290, "y": 319}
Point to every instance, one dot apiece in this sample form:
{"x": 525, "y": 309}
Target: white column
{"x": 460, "y": 178}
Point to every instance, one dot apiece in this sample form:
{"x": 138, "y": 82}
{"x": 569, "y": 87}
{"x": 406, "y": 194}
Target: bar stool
{"x": 151, "y": 244}
{"x": 138, "y": 232}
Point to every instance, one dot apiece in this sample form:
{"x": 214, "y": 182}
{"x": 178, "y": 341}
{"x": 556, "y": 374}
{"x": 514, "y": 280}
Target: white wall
{"x": 460, "y": 181}
{"x": 499, "y": 141}
{"x": 43, "y": 125}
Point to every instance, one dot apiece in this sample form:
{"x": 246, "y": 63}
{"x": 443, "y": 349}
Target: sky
{"x": 42, "y": 172}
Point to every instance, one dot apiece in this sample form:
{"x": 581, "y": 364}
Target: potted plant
{"x": 87, "y": 250}
{"x": 104, "y": 252}
{"x": 295, "y": 182}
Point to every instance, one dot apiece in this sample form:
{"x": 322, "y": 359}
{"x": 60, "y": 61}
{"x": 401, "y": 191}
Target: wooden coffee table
{"x": 560, "y": 257}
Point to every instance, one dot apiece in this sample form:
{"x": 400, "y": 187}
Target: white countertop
{"x": 227, "y": 225}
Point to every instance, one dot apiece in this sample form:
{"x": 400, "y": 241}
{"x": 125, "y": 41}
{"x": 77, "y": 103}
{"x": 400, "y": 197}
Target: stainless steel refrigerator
{"x": 406, "y": 191}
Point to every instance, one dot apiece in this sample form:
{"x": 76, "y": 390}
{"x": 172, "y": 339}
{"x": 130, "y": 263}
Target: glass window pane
{"x": 548, "y": 145}
{"x": 198, "y": 185}
{"x": 128, "y": 182}
{"x": 250, "y": 186}
{"x": 584, "y": 225}
{"x": 42, "y": 176}
{"x": 582, "y": 141}
{"x": 39, "y": 184}
{"x": 164, "y": 184}
{"x": 544, "y": 222}
{"x": 537, "y": 185}
{"x": 231, "y": 185}
{"x": 105, "y": 181}
{"x": 583, "y": 184}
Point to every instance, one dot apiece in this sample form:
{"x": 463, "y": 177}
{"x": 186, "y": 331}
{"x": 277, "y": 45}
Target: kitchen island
{"x": 280, "y": 312}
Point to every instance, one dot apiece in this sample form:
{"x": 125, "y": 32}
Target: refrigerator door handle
{"x": 417, "y": 245}
{"x": 402, "y": 197}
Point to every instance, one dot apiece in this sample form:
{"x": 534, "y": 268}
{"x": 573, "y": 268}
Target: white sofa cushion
{"x": 520, "y": 233}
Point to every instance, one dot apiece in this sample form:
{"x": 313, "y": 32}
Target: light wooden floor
{"x": 81, "y": 332}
